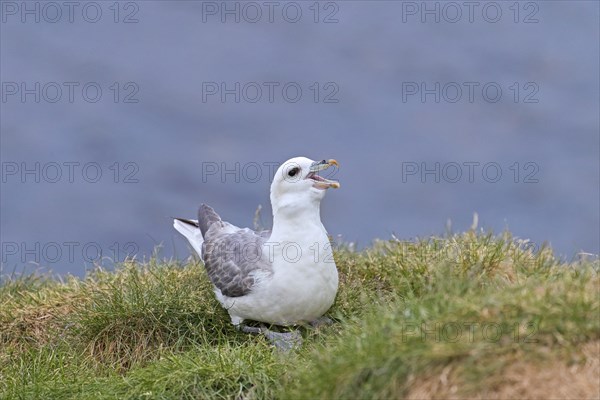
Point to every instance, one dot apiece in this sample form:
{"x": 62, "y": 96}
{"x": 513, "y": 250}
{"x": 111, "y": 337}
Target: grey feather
{"x": 206, "y": 217}
{"x": 232, "y": 258}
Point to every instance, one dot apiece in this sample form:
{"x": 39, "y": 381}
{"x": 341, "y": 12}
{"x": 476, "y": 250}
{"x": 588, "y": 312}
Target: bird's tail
{"x": 206, "y": 217}
{"x": 190, "y": 229}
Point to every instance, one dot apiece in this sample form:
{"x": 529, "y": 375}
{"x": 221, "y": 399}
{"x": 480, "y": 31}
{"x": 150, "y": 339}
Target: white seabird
{"x": 285, "y": 276}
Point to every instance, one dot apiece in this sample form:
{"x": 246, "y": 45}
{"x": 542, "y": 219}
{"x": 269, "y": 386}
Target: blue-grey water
{"x": 169, "y": 133}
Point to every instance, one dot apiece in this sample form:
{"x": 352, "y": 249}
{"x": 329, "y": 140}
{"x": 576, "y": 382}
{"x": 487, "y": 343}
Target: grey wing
{"x": 234, "y": 259}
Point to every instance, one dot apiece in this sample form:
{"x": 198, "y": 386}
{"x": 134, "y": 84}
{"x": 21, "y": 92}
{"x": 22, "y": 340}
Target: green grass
{"x": 472, "y": 304}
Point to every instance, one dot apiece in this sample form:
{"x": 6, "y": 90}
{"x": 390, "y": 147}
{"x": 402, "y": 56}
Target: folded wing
{"x": 233, "y": 257}
{"x": 235, "y": 261}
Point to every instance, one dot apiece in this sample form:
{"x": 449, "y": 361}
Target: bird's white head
{"x": 297, "y": 184}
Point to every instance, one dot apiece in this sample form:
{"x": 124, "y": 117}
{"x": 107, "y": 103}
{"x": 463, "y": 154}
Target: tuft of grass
{"x": 130, "y": 316}
{"x": 466, "y": 315}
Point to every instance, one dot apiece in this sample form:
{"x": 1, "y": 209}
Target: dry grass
{"x": 552, "y": 378}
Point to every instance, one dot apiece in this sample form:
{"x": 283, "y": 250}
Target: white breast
{"x": 302, "y": 288}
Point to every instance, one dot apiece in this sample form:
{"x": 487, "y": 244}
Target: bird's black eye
{"x": 293, "y": 171}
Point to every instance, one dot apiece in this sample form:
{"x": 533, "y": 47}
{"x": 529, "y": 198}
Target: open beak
{"x": 319, "y": 181}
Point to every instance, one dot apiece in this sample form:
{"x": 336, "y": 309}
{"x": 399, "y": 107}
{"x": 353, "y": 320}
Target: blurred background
{"x": 117, "y": 115}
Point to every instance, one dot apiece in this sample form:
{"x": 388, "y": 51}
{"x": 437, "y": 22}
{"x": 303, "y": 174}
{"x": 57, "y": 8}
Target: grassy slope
{"x": 465, "y": 315}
